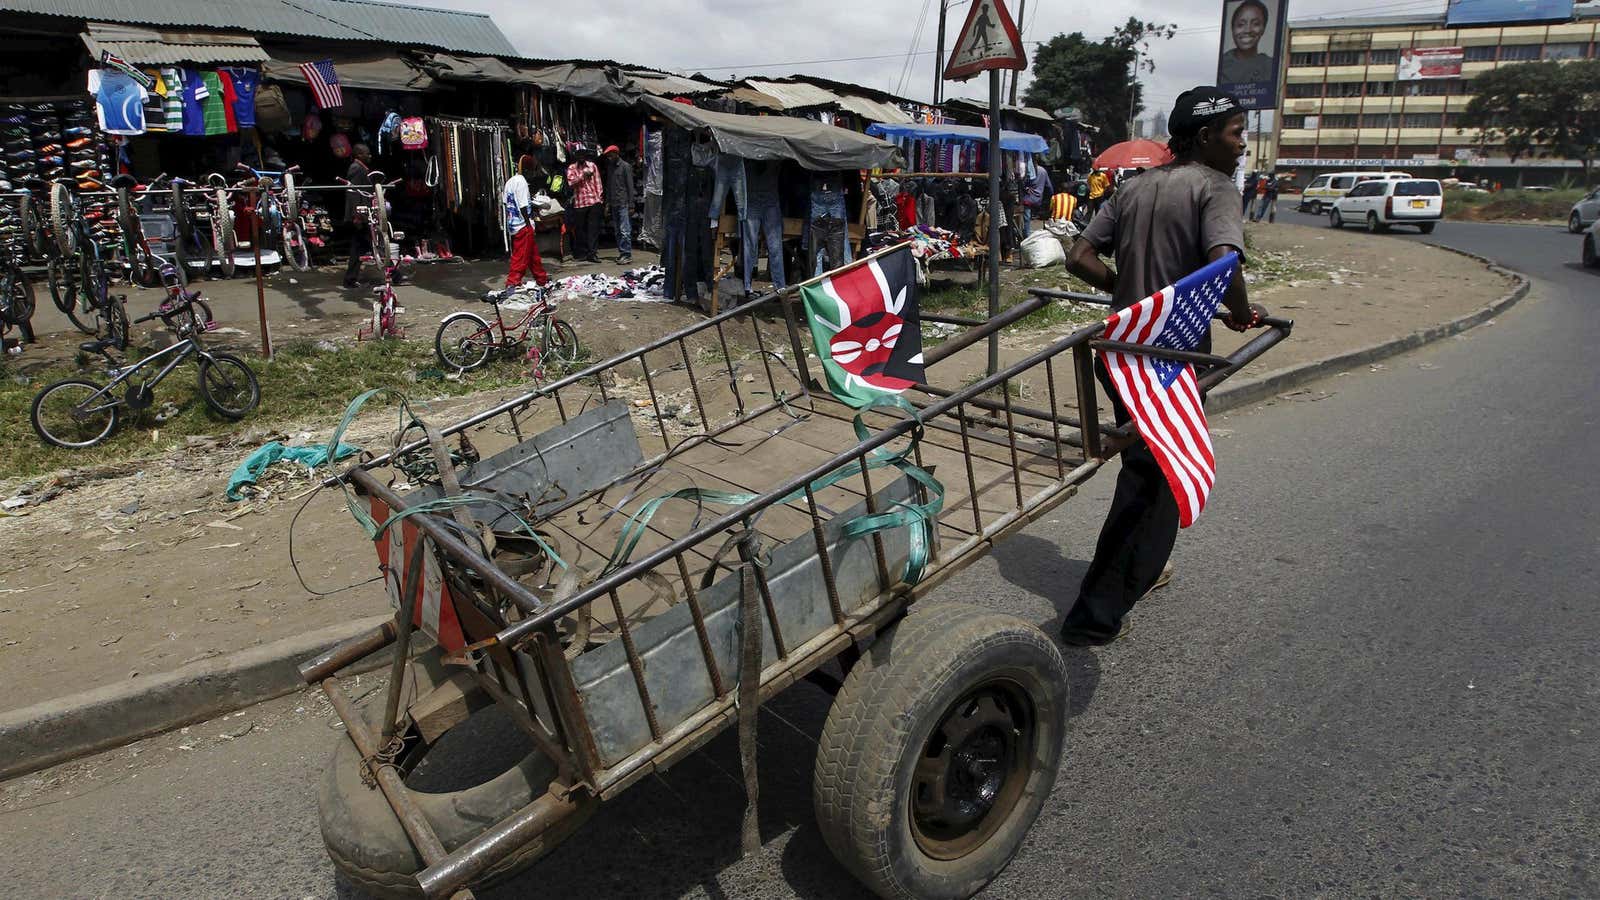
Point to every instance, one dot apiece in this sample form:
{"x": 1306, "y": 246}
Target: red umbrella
{"x": 1140, "y": 154}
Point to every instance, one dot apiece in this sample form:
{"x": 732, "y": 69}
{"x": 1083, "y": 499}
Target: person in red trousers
{"x": 521, "y": 213}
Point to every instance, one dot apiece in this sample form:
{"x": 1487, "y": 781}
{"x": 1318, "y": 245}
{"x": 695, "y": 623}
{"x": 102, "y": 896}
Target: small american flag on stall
{"x": 1161, "y": 394}
{"x": 324, "y": 83}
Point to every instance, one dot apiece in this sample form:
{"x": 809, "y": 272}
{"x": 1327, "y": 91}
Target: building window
{"x": 1311, "y": 89}
{"x": 1294, "y": 123}
{"x": 1479, "y": 54}
{"x": 1566, "y": 51}
{"x": 1383, "y": 57}
{"x": 1380, "y": 89}
{"x": 1519, "y": 52}
{"x": 1306, "y": 59}
{"x": 1436, "y": 87}
{"x": 1423, "y": 120}
{"x": 1340, "y": 121}
{"x": 1379, "y": 120}
{"x": 1344, "y": 89}
{"x": 1345, "y": 58}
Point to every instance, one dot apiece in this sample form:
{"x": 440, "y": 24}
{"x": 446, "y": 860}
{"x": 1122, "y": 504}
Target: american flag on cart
{"x": 1161, "y": 394}
{"x": 324, "y": 83}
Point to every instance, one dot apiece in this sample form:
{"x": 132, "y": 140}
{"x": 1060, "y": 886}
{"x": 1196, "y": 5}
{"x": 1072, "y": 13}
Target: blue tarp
{"x": 1009, "y": 140}
{"x": 271, "y": 452}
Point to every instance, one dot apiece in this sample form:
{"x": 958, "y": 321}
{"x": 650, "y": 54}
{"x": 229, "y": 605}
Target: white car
{"x": 1585, "y": 212}
{"x": 1381, "y": 204}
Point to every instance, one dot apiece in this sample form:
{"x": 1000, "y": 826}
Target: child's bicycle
{"x": 465, "y": 339}
{"x": 380, "y": 234}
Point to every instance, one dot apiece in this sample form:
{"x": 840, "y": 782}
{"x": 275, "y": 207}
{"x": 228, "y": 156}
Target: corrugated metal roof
{"x": 144, "y": 47}
{"x": 349, "y": 20}
{"x": 663, "y": 84}
{"x": 873, "y": 110}
{"x": 796, "y": 95}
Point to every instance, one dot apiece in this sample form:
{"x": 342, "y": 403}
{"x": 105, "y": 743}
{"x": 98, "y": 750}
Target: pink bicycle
{"x": 381, "y": 236}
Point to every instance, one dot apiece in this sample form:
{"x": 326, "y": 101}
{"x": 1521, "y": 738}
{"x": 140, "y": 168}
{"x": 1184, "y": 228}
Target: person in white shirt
{"x": 521, "y": 214}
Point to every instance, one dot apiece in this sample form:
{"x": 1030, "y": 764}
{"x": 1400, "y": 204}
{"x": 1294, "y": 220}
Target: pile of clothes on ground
{"x": 646, "y": 284}
{"x": 928, "y": 244}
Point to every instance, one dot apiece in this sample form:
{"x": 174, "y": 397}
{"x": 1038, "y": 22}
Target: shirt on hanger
{"x": 172, "y": 99}
{"x": 230, "y": 99}
{"x": 214, "y": 109}
{"x": 245, "y": 83}
{"x": 195, "y": 93}
{"x": 155, "y": 119}
{"x": 118, "y": 101}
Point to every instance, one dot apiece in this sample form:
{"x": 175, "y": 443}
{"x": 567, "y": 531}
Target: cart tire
{"x": 901, "y": 708}
{"x": 370, "y": 849}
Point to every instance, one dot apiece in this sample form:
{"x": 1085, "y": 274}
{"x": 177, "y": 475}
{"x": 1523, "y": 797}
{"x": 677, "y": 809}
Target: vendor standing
{"x": 521, "y": 215}
{"x": 619, "y": 197}
{"x": 360, "y": 240}
{"x": 588, "y": 195}
{"x": 1161, "y": 226}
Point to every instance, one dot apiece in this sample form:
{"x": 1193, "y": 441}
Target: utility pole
{"x": 938, "y": 59}
{"x": 1022, "y": 24}
{"x": 1133, "y": 92}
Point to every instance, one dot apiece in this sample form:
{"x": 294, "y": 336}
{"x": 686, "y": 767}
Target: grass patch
{"x": 305, "y": 383}
{"x": 1269, "y": 267}
{"x": 1512, "y": 205}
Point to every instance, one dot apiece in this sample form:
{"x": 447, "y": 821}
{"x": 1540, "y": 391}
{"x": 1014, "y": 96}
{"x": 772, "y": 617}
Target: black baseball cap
{"x": 1198, "y": 107}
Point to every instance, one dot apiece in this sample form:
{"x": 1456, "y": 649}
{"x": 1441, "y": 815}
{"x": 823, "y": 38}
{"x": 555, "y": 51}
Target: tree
{"x": 1539, "y": 109}
{"x": 1098, "y": 77}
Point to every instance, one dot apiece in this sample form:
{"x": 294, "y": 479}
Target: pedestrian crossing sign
{"x": 988, "y": 40}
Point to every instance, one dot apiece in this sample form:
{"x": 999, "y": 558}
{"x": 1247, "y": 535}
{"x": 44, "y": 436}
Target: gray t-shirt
{"x": 1161, "y": 225}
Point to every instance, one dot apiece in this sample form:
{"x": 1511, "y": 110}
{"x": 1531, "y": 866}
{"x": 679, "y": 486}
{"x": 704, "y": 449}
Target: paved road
{"x": 1376, "y": 673}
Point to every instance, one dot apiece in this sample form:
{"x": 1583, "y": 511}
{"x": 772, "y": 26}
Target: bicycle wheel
{"x": 67, "y": 293}
{"x": 61, "y": 216}
{"x": 291, "y": 198}
{"x": 132, "y": 238}
{"x": 194, "y": 318}
{"x": 33, "y": 233}
{"x": 560, "y": 343}
{"x": 228, "y": 386}
{"x": 67, "y": 414}
{"x": 384, "y": 233}
{"x": 294, "y": 245}
{"x": 112, "y": 321}
{"x": 223, "y": 240}
{"x": 463, "y": 342}
{"x": 16, "y": 297}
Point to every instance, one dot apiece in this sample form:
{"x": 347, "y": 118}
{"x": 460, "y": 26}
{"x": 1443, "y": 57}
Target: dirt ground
{"x": 140, "y": 570}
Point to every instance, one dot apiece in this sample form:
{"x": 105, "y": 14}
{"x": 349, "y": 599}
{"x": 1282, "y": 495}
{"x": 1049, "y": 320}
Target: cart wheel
{"x": 364, "y": 839}
{"x": 940, "y": 750}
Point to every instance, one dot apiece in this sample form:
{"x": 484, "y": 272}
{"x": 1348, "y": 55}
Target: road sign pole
{"x": 995, "y": 154}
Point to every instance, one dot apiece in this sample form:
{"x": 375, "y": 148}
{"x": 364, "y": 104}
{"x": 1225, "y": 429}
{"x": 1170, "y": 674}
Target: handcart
{"x": 630, "y": 559}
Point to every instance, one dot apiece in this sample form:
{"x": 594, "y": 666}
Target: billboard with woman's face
{"x": 1252, "y": 51}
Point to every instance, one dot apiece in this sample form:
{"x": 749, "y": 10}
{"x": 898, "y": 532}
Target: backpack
{"x": 272, "y": 110}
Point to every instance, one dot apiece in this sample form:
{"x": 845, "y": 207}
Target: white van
{"x": 1324, "y": 189}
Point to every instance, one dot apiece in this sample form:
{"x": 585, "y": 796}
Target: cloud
{"x": 860, "y": 42}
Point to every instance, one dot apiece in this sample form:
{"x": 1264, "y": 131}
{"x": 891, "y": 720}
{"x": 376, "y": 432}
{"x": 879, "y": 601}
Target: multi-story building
{"x": 1348, "y": 102}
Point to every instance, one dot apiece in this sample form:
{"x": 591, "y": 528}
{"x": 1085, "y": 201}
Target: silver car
{"x": 1585, "y": 212}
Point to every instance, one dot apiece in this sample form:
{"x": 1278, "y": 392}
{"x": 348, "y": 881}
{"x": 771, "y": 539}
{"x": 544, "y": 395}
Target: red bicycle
{"x": 380, "y": 235}
{"x": 465, "y": 339}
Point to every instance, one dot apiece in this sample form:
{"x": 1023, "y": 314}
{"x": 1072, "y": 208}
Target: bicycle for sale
{"x": 79, "y": 286}
{"x": 379, "y": 234}
{"x": 279, "y": 212}
{"x": 16, "y": 295}
{"x": 465, "y": 339}
{"x": 76, "y": 413}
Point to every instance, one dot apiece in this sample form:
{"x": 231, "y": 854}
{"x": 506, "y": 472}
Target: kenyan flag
{"x": 865, "y": 323}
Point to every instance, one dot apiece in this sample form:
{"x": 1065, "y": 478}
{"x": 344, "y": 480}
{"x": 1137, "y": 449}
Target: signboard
{"x": 1422, "y": 63}
{"x": 1252, "y": 51}
{"x": 1421, "y": 162}
{"x": 988, "y": 40}
{"x": 1498, "y": 12}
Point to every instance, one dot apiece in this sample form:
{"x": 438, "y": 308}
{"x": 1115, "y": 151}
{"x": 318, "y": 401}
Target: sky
{"x": 866, "y": 42}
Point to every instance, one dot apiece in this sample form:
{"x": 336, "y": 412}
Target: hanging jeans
{"x": 764, "y": 216}
{"x": 730, "y": 178}
{"x": 525, "y": 258}
{"x": 829, "y": 230}
{"x": 622, "y": 220}
{"x": 650, "y": 226}
{"x": 673, "y": 249}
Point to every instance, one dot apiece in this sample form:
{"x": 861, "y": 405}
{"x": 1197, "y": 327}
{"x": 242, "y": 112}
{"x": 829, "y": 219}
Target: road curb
{"x": 65, "y": 728}
{"x": 1254, "y": 390}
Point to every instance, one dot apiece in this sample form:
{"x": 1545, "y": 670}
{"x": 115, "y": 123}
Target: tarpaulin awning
{"x": 1009, "y": 140}
{"x": 376, "y": 72}
{"x": 874, "y": 110}
{"x": 666, "y": 85}
{"x": 598, "y": 80}
{"x": 148, "y": 47}
{"x": 821, "y": 148}
{"x": 755, "y": 98}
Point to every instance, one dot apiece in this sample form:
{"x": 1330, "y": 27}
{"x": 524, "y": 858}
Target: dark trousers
{"x": 586, "y": 230}
{"x": 1135, "y": 541}
{"x": 360, "y": 242}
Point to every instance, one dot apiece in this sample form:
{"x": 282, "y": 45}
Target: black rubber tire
{"x": 223, "y": 240}
{"x": 68, "y": 444}
{"x": 1335, "y": 220}
{"x": 380, "y": 213}
{"x": 883, "y": 717}
{"x": 562, "y": 346}
{"x": 453, "y": 359}
{"x": 17, "y": 298}
{"x": 225, "y": 370}
{"x": 61, "y": 216}
{"x": 34, "y": 237}
{"x": 1315, "y": 208}
{"x": 1374, "y": 226}
{"x": 132, "y": 239}
{"x": 1575, "y": 223}
{"x": 291, "y": 198}
{"x": 1426, "y": 227}
{"x": 1591, "y": 259}
{"x": 295, "y": 249}
{"x": 111, "y": 320}
{"x": 365, "y": 840}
